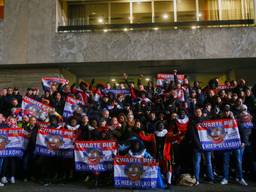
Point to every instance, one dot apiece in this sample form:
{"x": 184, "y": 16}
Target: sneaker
{"x": 243, "y": 182}
{"x": 12, "y": 180}
{"x": 197, "y": 183}
{"x": 4, "y": 180}
{"x": 1, "y": 184}
{"x": 25, "y": 180}
{"x": 224, "y": 182}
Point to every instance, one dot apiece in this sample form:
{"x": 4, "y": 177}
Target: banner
{"x": 224, "y": 87}
{"x": 94, "y": 155}
{"x": 71, "y": 105}
{"x": 222, "y": 134}
{"x": 135, "y": 172}
{"x": 13, "y": 142}
{"x": 117, "y": 91}
{"x": 35, "y": 108}
{"x": 55, "y": 143}
{"x": 47, "y": 82}
{"x": 161, "y": 78}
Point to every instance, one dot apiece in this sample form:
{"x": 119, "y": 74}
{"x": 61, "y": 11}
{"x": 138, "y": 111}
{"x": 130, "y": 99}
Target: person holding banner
{"x": 10, "y": 162}
{"x": 238, "y": 155}
{"x": 198, "y": 152}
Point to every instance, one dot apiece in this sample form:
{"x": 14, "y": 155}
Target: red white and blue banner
{"x": 95, "y": 156}
{"x": 137, "y": 173}
{"x": 13, "y": 142}
{"x": 222, "y": 134}
{"x": 161, "y": 78}
{"x": 55, "y": 143}
{"x": 117, "y": 91}
{"x": 35, "y": 108}
{"x": 47, "y": 82}
{"x": 71, "y": 105}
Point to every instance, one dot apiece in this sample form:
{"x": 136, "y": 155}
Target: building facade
{"x": 105, "y": 38}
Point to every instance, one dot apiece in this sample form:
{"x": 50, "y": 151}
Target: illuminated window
{"x": 120, "y": 13}
{"x": 186, "y": 10}
{"x": 142, "y": 12}
{"x": 1, "y": 9}
{"x": 208, "y": 10}
{"x": 231, "y": 9}
{"x": 89, "y": 14}
{"x": 163, "y": 11}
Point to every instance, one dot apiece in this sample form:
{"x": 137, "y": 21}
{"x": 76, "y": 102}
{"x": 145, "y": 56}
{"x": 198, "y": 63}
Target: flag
{"x": 94, "y": 155}
{"x": 13, "y": 142}
{"x": 35, "y": 108}
{"x": 71, "y": 105}
{"x": 222, "y": 134}
{"x": 137, "y": 173}
{"x": 53, "y": 142}
{"x": 47, "y": 82}
{"x": 161, "y": 78}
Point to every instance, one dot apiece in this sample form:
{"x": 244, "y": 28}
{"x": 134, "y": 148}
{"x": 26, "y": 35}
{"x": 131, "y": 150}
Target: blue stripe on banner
{"x": 102, "y": 167}
{"x": 13, "y": 152}
{"x": 145, "y": 183}
{"x": 44, "y": 151}
{"x": 228, "y": 144}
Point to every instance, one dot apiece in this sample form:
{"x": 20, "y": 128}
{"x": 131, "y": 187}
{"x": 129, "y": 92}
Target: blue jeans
{"x": 197, "y": 161}
{"x": 239, "y": 161}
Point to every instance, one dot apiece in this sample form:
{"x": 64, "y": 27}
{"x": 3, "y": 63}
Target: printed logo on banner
{"x": 134, "y": 171}
{"x": 94, "y": 156}
{"x": 54, "y": 142}
{"x": 216, "y": 134}
{"x": 3, "y": 141}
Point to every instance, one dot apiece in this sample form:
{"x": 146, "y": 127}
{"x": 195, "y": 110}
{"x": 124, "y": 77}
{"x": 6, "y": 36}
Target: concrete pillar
{"x": 254, "y": 3}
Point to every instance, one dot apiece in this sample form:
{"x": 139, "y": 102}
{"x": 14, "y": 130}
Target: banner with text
{"x": 132, "y": 172}
{"x": 13, "y": 142}
{"x": 94, "y": 155}
{"x": 161, "y": 78}
{"x": 222, "y": 134}
{"x": 48, "y": 82}
{"x": 71, "y": 105}
{"x": 55, "y": 143}
{"x": 35, "y": 108}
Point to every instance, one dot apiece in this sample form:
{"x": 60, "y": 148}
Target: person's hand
{"x": 125, "y": 75}
{"x": 242, "y": 145}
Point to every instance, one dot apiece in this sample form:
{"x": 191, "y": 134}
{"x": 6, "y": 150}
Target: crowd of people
{"x": 151, "y": 122}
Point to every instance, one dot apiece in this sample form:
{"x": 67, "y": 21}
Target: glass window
{"x": 120, "y": 13}
{"x": 164, "y": 11}
{"x": 1, "y": 9}
{"x": 89, "y": 14}
{"x": 231, "y": 9}
{"x": 142, "y": 12}
{"x": 208, "y": 10}
{"x": 186, "y": 10}
{"x": 248, "y": 9}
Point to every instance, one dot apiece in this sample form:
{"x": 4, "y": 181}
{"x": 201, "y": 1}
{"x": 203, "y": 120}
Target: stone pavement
{"x": 33, "y": 187}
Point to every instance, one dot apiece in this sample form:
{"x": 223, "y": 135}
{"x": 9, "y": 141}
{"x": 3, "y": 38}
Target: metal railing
{"x": 173, "y": 25}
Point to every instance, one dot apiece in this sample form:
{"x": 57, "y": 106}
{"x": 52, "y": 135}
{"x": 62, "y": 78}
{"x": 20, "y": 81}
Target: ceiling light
{"x": 100, "y": 20}
{"x": 165, "y": 16}
{"x": 156, "y": 28}
{"x": 125, "y": 29}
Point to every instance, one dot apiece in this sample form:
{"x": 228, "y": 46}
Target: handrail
{"x": 152, "y": 25}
